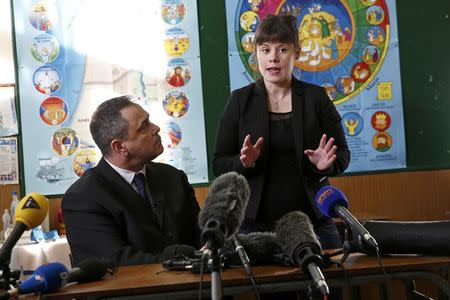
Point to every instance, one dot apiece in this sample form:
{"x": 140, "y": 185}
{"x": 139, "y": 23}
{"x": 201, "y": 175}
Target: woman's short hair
{"x": 282, "y": 29}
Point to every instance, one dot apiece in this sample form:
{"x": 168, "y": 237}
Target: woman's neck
{"x": 277, "y": 90}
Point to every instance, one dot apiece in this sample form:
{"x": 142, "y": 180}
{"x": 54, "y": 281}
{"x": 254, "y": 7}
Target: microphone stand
{"x": 8, "y": 277}
{"x": 216, "y": 277}
{"x": 353, "y": 243}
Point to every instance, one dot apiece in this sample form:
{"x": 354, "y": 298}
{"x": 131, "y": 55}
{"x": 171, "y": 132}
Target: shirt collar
{"x": 127, "y": 175}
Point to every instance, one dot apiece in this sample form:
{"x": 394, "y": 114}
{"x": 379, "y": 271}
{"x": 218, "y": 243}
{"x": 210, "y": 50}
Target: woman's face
{"x": 276, "y": 61}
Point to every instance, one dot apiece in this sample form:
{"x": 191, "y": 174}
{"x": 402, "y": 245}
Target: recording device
{"x": 223, "y": 210}
{"x": 333, "y": 203}
{"x": 30, "y": 212}
{"x": 409, "y": 237}
{"x": 261, "y": 248}
{"x": 296, "y": 236}
{"x": 179, "y": 257}
{"x": 52, "y": 276}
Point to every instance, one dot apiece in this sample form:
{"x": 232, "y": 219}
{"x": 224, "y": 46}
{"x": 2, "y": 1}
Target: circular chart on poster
{"x": 176, "y": 104}
{"x": 171, "y": 134}
{"x": 53, "y": 111}
{"x": 342, "y": 44}
{"x": 84, "y": 160}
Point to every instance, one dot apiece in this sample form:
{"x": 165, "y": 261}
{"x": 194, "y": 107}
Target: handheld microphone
{"x": 45, "y": 279}
{"x": 223, "y": 210}
{"x": 333, "y": 203}
{"x": 30, "y": 212}
{"x": 296, "y": 236}
{"x": 52, "y": 276}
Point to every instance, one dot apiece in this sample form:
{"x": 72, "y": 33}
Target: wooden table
{"x": 137, "y": 281}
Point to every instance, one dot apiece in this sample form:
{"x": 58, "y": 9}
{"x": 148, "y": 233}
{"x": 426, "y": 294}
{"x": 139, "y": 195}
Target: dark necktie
{"x": 139, "y": 181}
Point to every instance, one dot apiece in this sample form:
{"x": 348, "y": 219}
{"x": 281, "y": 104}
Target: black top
{"x": 284, "y": 189}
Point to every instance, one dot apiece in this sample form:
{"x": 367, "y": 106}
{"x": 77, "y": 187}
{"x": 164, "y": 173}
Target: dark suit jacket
{"x": 247, "y": 113}
{"x": 106, "y": 217}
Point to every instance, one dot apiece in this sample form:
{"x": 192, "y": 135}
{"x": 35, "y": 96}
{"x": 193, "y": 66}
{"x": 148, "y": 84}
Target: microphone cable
{"x": 386, "y": 276}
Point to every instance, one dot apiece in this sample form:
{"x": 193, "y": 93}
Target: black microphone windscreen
{"x": 295, "y": 230}
{"x": 261, "y": 247}
{"x": 226, "y": 201}
{"x": 90, "y": 270}
{"x": 411, "y": 237}
{"x": 178, "y": 250}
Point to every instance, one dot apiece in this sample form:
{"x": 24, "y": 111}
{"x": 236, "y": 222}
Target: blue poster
{"x": 351, "y": 49}
{"x": 73, "y": 55}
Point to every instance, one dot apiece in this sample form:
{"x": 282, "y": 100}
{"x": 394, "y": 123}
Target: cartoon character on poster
{"x": 45, "y": 48}
{"x": 176, "y": 104}
{"x": 178, "y": 72}
{"x": 65, "y": 141}
{"x": 47, "y": 79}
{"x": 53, "y": 111}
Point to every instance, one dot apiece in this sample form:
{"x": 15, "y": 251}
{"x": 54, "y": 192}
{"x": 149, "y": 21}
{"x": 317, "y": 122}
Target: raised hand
{"x": 324, "y": 156}
{"x": 249, "y": 152}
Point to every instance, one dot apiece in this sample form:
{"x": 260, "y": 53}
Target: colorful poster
{"x": 351, "y": 49}
{"x": 8, "y": 117}
{"x": 9, "y": 162}
{"x": 73, "y": 57}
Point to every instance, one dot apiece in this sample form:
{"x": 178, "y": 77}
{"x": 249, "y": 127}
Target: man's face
{"x": 143, "y": 142}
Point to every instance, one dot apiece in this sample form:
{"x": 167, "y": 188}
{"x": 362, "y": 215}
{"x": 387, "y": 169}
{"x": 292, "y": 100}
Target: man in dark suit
{"x": 128, "y": 209}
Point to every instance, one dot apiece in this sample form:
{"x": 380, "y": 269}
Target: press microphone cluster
{"x": 30, "y": 212}
{"x": 333, "y": 203}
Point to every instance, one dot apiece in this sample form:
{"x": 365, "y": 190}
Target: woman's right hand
{"x": 250, "y": 153}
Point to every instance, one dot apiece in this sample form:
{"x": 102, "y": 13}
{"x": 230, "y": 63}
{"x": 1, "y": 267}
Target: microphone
{"x": 52, "y": 276}
{"x": 30, "y": 212}
{"x": 410, "y": 237}
{"x": 261, "y": 248}
{"x": 333, "y": 203}
{"x": 90, "y": 270}
{"x": 242, "y": 255}
{"x": 45, "y": 279}
{"x": 223, "y": 210}
{"x": 296, "y": 236}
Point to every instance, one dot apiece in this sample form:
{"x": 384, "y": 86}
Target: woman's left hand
{"x": 324, "y": 156}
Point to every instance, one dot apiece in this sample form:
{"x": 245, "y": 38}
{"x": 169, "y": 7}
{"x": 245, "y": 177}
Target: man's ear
{"x": 297, "y": 53}
{"x": 118, "y": 147}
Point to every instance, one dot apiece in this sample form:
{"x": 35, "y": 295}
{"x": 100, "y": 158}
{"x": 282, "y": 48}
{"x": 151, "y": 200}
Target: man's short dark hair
{"x": 108, "y": 124}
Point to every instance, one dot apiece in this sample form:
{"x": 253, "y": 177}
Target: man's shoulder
{"x": 88, "y": 184}
{"x": 163, "y": 169}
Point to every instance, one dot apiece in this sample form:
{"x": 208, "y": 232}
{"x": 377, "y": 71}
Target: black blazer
{"x": 247, "y": 113}
{"x": 106, "y": 217}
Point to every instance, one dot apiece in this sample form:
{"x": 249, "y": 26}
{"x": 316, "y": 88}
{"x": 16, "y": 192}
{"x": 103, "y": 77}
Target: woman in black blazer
{"x": 285, "y": 136}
